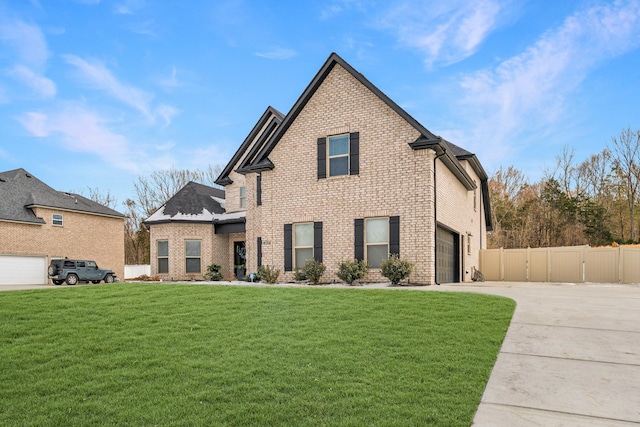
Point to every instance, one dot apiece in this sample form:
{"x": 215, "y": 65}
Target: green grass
{"x": 181, "y": 355}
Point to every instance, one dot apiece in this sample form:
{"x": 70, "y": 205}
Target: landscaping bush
{"x": 213, "y": 273}
{"x": 350, "y": 271}
{"x": 313, "y": 270}
{"x": 396, "y": 269}
{"x": 268, "y": 274}
{"x": 299, "y": 276}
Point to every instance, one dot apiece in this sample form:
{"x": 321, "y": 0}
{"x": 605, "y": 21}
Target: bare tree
{"x": 94, "y": 194}
{"x": 625, "y": 152}
{"x": 151, "y": 192}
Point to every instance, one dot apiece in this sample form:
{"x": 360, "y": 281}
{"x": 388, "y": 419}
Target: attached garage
{"x": 23, "y": 270}
{"x": 447, "y": 256}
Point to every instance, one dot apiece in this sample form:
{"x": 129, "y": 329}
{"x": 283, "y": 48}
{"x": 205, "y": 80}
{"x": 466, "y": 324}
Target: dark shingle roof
{"x": 20, "y": 191}
{"x": 192, "y": 198}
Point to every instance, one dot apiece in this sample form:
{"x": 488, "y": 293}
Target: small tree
{"x": 313, "y": 270}
{"x": 350, "y": 271}
{"x": 396, "y": 269}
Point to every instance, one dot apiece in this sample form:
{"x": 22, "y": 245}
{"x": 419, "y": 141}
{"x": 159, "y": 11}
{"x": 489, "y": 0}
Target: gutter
{"x": 435, "y": 216}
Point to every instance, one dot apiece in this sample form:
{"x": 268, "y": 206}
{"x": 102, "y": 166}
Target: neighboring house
{"x": 38, "y": 223}
{"x": 348, "y": 174}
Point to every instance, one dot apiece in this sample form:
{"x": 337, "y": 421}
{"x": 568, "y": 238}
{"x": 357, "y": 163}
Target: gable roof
{"x": 20, "y": 191}
{"x": 195, "y": 203}
{"x": 426, "y": 138}
{"x": 269, "y": 121}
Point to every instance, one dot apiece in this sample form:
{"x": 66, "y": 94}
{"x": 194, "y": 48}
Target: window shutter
{"x": 394, "y": 235}
{"x": 288, "y": 243}
{"x": 259, "y": 251}
{"x": 354, "y": 153}
{"x": 317, "y": 241}
{"x": 322, "y": 158}
{"x": 359, "y": 239}
{"x": 259, "y": 189}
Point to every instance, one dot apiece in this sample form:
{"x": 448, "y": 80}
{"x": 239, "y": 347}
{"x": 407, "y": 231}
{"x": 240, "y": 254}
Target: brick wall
{"x": 393, "y": 180}
{"x": 82, "y": 236}
{"x": 214, "y": 249}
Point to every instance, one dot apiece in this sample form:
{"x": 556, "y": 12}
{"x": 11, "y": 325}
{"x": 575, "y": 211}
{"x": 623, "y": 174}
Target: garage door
{"x": 446, "y": 256}
{"x": 23, "y": 270}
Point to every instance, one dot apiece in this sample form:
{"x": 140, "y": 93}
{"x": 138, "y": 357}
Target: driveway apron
{"x": 571, "y": 357}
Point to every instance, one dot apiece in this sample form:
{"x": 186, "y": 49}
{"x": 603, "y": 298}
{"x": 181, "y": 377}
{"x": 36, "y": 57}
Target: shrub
{"x": 268, "y": 274}
{"x": 350, "y": 271}
{"x": 213, "y": 273}
{"x": 299, "y": 275}
{"x": 313, "y": 270}
{"x": 396, "y": 269}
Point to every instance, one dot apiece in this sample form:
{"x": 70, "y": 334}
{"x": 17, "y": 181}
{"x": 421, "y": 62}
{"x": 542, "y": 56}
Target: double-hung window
{"x": 57, "y": 219}
{"x": 163, "y": 256}
{"x": 338, "y": 155}
{"x": 376, "y": 240}
{"x": 192, "y": 250}
{"x": 243, "y": 197}
{"x": 302, "y": 243}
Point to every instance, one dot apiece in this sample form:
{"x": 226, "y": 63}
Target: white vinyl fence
{"x": 573, "y": 264}
{"x": 133, "y": 271}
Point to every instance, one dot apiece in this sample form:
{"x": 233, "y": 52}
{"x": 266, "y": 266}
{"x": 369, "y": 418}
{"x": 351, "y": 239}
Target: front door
{"x": 239, "y": 259}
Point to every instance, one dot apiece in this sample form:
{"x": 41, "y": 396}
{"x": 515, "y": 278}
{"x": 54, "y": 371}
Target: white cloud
{"x": 26, "y": 41}
{"x": 167, "y": 112}
{"x": 529, "y": 91}
{"x": 39, "y": 84}
{"x": 100, "y": 77}
{"x": 447, "y": 31}
{"x": 81, "y": 130}
{"x": 277, "y": 53}
{"x": 171, "y": 81}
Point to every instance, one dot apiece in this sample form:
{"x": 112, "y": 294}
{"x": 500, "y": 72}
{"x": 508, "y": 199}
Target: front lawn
{"x": 188, "y": 355}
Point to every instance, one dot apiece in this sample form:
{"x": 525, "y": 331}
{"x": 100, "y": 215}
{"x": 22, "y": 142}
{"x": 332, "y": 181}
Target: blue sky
{"x": 94, "y": 93}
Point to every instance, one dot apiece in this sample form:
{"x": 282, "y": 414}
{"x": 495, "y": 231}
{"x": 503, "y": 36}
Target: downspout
{"x": 435, "y": 216}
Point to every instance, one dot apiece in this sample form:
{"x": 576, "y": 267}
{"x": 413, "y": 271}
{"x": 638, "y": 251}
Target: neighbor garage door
{"x": 23, "y": 270}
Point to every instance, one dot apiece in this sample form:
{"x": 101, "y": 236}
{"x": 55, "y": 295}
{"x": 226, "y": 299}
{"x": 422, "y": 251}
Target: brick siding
{"x": 394, "y": 180}
{"x": 82, "y": 236}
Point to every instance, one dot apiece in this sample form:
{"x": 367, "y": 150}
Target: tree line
{"x": 576, "y": 203}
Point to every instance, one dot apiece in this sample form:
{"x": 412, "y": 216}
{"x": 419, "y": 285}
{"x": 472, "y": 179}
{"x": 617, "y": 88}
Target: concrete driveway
{"x": 571, "y": 357}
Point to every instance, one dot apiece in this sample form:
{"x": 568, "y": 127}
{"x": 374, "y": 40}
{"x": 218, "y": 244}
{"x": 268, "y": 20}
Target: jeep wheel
{"x": 58, "y": 282}
{"x": 108, "y": 278}
{"x": 72, "y": 279}
{"x": 51, "y": 270}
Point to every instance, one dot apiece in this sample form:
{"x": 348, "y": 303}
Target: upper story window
{"x": 243, "y": 197}
{"x": 57, "y": 219}
{"x": 338, "y": 155}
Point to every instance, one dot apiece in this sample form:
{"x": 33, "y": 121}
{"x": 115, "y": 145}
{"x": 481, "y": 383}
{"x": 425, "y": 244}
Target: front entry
{"x": 239, "y": 259}
{"x": 447, "y": 256}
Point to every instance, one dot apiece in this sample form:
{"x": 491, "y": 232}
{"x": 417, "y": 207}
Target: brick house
{"x": 349, "y": 174}
{"x": 38, "y": 223}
